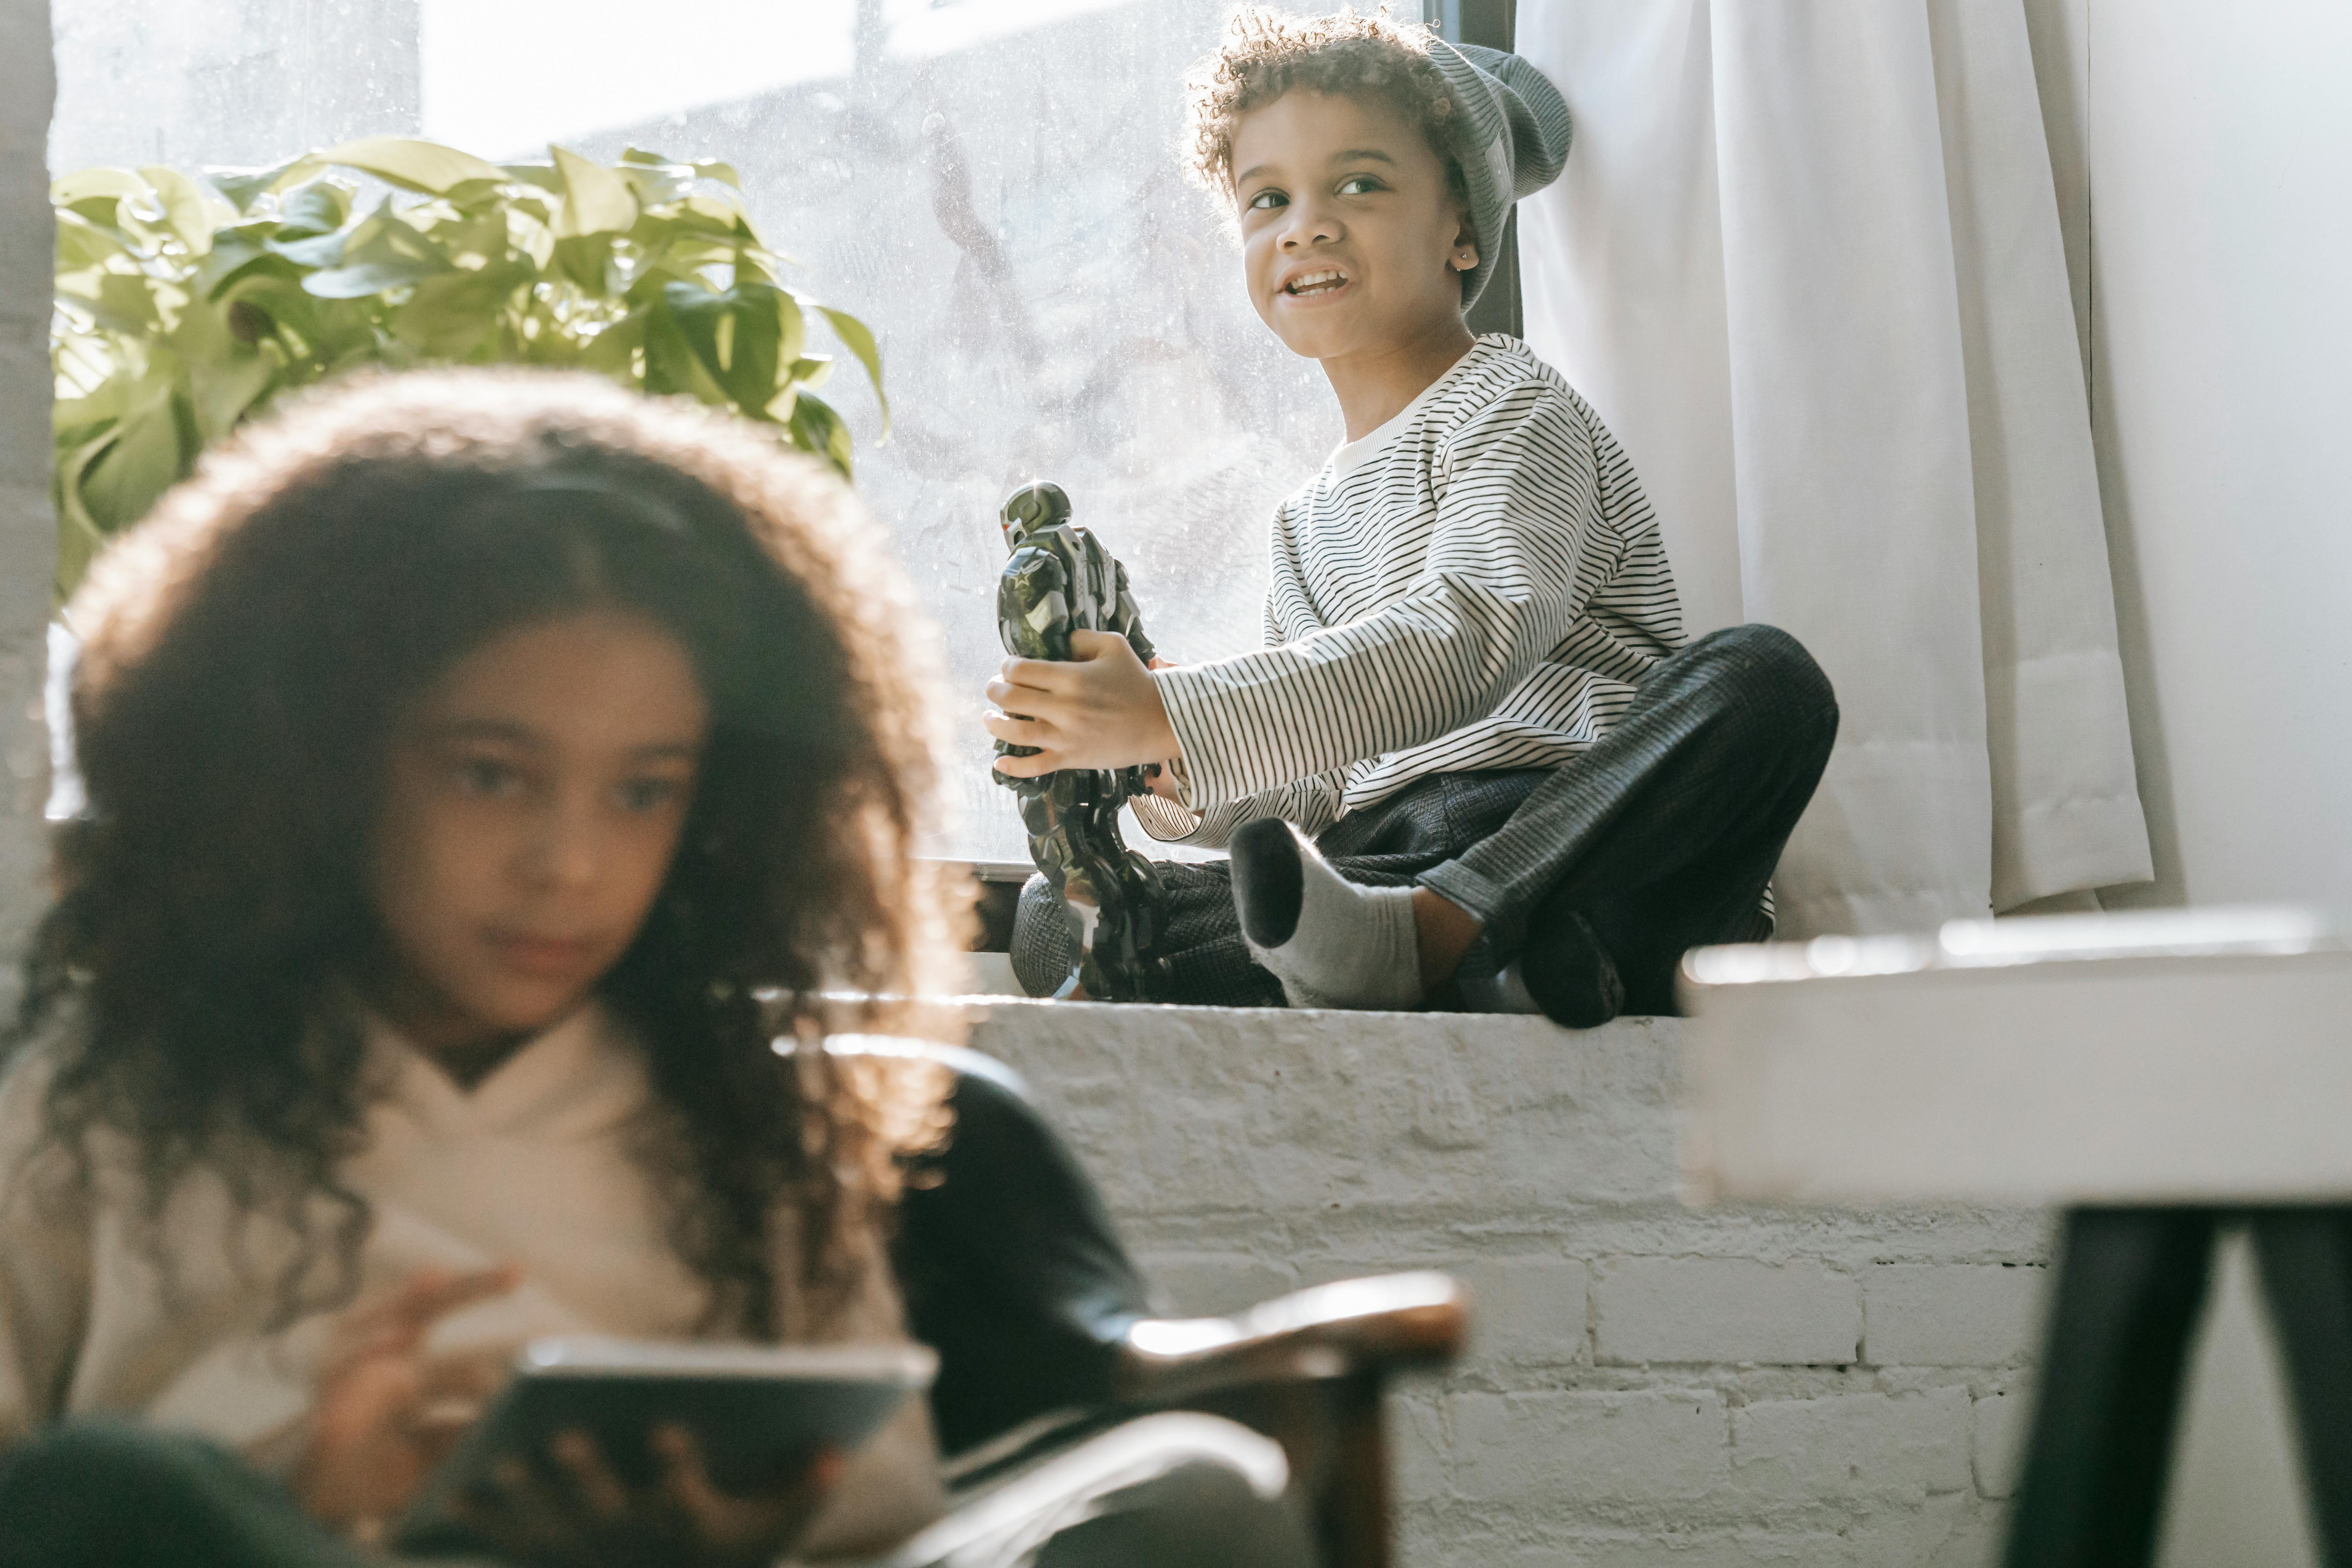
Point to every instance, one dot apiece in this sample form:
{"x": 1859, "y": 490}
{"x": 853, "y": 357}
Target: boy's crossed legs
{"x": 1590, "y": 880}
{"x": 1658, "y": 839}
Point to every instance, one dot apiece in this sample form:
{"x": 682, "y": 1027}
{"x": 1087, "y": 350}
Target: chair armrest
{"x": 1329, "y": 1331}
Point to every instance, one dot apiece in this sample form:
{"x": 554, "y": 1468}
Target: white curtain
{"x": 1805, "y": 261}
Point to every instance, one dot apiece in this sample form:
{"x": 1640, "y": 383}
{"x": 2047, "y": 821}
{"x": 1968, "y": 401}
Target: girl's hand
{"x": 386, "y": 1414}
{"x": 572, "y": 1510}
{"x": 1098, "y": 709}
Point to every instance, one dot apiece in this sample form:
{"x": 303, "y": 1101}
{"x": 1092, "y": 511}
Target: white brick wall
{"x": 1649, "y": 1384}
{"x": 1799, "y": 1313}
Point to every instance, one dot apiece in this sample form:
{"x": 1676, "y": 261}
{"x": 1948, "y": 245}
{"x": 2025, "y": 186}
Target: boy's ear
{"x": 1464, "y": 257}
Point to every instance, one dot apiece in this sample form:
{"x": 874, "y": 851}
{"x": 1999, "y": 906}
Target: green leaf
{"x": 596, "y": 199}
{"x": 614, "y": 350}
{"x": 119, "y": 302}
{"x": 81, "y": 243}
{"x": 190, "y": 213}
{"x": 80, "y": 539}
{"x": 371, "y": 277}
{"x": 383, "y": 252}
{"x": 656, "y": 183}
{"x": 321, "y": 206}
{"x": 319, "y": 250}
{"x": 818, "y": 428}
{"x": 84, "y": 184}
{"x": 672, "y": 363}
{"x": 412, "y": 164}
{"x": 223, "y": 392}
{"x": 586, "y": 259}
{"x": 243, "y": 187}
{"x": 142, "y": 462}
{"x": 103, "y": 407}
{"x": 858, "y": 339}
{"x": 543, "y": 175}
{"x": 446, "y": 317}
{"x": 712, "y": 169}
{"x": 228, "y": 267}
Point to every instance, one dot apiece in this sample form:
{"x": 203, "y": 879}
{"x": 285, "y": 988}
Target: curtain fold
{"x": 1806, "y": 262}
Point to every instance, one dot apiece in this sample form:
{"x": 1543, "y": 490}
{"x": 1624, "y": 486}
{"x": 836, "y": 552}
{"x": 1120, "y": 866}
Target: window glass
{"x": 993, "y": 184}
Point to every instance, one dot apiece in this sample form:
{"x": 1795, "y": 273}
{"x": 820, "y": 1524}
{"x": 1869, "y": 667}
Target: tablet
{"x": 756, "y": 1408}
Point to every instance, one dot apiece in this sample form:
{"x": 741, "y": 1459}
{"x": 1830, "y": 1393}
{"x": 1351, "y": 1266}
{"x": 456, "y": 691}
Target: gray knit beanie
{"x": 1511, "y": 140}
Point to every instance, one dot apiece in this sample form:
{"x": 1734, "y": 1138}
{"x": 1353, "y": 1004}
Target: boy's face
{"x": 535, "y": 797}
{"x": 1351, "y": 238}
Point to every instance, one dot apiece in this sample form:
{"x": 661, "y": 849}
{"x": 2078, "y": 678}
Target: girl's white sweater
{"x": 538, "y": 1166}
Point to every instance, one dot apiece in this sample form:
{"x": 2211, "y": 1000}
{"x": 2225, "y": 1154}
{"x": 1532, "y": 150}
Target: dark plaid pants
{"x": 1663, "y": 835}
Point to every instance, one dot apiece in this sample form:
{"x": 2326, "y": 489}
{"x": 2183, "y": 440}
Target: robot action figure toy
{"x": 1061, "y": 579}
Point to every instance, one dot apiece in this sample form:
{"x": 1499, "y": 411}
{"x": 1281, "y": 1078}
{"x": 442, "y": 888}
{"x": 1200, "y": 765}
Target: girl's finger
{"x": 686, "y": 1477}
{"x": 430, "y": 1295}
{"x": 583, "y": 1462}
{"x": 515, "y": 1510}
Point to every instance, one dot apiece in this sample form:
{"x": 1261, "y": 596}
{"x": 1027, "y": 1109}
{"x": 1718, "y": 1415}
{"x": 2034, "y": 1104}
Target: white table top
{"x": 2177, "y": 1057}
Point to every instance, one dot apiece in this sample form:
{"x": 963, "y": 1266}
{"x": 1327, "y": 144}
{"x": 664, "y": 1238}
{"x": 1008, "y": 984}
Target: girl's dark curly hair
{"x": 1266, "y": 53}
{"x": 245, "y": 652}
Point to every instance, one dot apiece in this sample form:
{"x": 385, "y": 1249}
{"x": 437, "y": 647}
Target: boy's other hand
{"x": 1100, "y": 709}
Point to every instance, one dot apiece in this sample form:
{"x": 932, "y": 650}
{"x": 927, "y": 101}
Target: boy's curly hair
{"x": 1266, "y": 53}
{"x": 245, "y": 653}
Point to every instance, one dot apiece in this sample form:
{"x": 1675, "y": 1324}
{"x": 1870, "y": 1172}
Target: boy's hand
{"x": 1098, "y": 709}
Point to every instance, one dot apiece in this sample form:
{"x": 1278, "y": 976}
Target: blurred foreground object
{"x": 2165, "y": 1076}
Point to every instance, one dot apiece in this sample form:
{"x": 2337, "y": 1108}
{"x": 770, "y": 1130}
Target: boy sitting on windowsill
{"x": 1524, "y": 792}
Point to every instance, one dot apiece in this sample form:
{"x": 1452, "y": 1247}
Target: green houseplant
{"x": 185, "y": 306}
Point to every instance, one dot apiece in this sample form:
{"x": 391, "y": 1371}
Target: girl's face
{"x": 536, "y": 795}
{"x": 1351, "y": 236}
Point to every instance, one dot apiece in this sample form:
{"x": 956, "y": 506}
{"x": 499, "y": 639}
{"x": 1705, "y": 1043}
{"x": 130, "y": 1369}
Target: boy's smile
{"x": 1353, "y": 239}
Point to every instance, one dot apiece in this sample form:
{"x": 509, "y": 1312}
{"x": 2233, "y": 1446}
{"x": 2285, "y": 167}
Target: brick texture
{"x": 1928, "y": 1314}
{"x": 1649, "y": 1386}
{"x": 1724, "y": 1309}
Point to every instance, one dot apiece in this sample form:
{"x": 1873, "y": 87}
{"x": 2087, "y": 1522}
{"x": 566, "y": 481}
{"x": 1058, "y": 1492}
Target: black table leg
{"x": 2131, "y": 1282}
{"x": 2306, "y": 1265}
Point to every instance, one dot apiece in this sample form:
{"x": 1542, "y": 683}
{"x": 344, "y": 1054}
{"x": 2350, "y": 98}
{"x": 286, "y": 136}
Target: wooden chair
{"x": 1045, "y": 1328}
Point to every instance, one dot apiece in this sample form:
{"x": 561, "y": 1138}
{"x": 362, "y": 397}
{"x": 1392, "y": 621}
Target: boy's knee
{"x": 1774, "y": 678}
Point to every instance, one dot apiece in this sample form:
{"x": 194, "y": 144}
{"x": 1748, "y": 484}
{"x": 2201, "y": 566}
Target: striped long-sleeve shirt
{"x": 1478, "y": 584}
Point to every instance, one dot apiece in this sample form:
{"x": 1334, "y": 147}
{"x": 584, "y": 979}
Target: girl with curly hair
{"x": 486, "y": 773}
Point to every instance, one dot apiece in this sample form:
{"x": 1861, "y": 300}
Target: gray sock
{"x": 1330, "y": 942}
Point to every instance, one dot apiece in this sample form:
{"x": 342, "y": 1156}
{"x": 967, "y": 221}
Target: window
{"x": 993, "y": 184}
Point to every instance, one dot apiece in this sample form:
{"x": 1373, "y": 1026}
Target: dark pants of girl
{"x": 1662, "y": 836}
{"x": 1182, "y": 1491}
